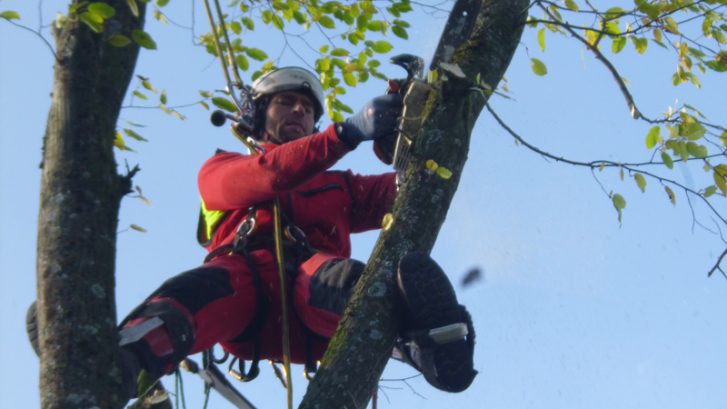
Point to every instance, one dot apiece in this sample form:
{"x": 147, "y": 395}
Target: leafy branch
{"x": 632, "y": 168}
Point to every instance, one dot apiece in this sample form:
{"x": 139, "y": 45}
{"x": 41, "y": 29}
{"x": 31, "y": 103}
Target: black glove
{"x": 377, "y": 119}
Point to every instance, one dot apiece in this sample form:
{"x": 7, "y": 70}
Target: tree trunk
{"x": 79, "y": 204}
{"x": 479, "y": 38}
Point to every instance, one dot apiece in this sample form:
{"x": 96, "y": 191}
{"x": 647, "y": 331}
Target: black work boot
{"x": 438, "y": 336}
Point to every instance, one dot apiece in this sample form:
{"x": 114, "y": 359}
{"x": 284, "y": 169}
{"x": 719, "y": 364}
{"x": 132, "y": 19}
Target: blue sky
{"x": 574, "y": 309}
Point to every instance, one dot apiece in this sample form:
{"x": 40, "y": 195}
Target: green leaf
{"x": 400, "y": 32}
{"x": 612, "y": 27}
{"x": 671, "y": 195}
{"x": 717, "y": 65}
{"x": 619, "y": 203}
{"x": 248, "y": 23}
{"x": 10, "y": 15}
{"x": 205, "y": 94}
{"x": 340, "y": 52}
{"x": 571, "y": 5}
{"x": 300, "y": 18}
{"x": 148, "y": 85}
{"x": 140, "y": 195}
{"x": 139, "y": 95}
{"x": 710, "y": 190}
{"x": 591, "y": 37}
{"x": 692, "y": 129}
{"x": 323, "y": 64}
{"x": 119, "y": 142}
{"x": 541, "y": 39}
{"x": 681, "y": 150}
{"x": 554, "y": 11}
{"x": 137, "y": 228}
{"x": 376, "y": 25}
{"x": 133, "y": 7}
{"x": 143, "y": 39}
{"x": 101, "y": 9}
{"x": 618, "y": 44}
{"x": 162, "y": 3}
{"x": 159, "y": 16}
{"x": 671, "y": 25}
{"x": 93, "y": 21}
{"x": 132, "y": 134}
{"x": 640, "y": 44}
{"x": 614, "y": 12}
{"x": 119, "y": 40}
{"x": 163, "y": 97}
{"x": 720, "y": 177}
{"x": 382, "y": 46}
{"x": 402, "y": 23}
{"x": 135, "y": 124}
{"x": 653, "y": 137}
{"x": 236, "y": 27}
{"x": 349, "y": 79}
{"x": 538, "y": 67}
{"x": 256, "y": 54}
{"x": 327, "y": 22}
{"x": 640, "y": 181}
{"x": 697, "y": 150}
{"x": 719, "y": 35}
{"x": 242, "y": 62}
{"x": 278, "y": 22}
{"x": 668, "y": 162}
{"x": 224, "y": 103}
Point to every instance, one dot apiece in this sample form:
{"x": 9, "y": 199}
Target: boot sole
{"x": 432, "y": 303}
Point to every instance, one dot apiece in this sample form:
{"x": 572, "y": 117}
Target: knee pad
{"x": 160, "y": 334}
{"x": 331, "y": 285}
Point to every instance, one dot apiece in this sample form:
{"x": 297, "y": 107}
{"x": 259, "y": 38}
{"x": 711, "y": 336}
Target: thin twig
{"x": 37, "y": 33}
{"x": 604, "y": 163}
{"x": 717, "y": 265}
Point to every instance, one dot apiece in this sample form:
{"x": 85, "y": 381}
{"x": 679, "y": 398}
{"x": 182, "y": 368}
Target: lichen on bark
{"x": 480, "y": 38}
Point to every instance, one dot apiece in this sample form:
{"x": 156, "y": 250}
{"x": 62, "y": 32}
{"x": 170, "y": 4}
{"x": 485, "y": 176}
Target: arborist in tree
{"x": 233, "y": 299}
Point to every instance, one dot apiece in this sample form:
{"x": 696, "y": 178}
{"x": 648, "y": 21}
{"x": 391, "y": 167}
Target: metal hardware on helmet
{"x": 290, "y": 79}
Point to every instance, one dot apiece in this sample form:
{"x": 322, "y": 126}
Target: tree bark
{"x": 479, "y": 39}
{"x": 79, "y": 204}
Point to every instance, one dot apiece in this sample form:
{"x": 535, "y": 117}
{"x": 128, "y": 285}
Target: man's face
{"x": 290, "y": 115}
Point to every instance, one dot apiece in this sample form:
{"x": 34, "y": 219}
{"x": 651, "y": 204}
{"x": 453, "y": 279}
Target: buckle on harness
{"x": 294, "y": 234}
{"x": 244, "y": 230}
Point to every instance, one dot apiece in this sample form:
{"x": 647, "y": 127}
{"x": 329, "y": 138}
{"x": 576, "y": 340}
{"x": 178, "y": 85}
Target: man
{"x": 234, "y": 298}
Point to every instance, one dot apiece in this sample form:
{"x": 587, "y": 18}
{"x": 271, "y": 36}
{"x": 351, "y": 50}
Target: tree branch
{"x": 480, "y": 38}
{"x": 717, "y": 265}
{"x": 37, "y": 33}
{"x": 631, "y": 167}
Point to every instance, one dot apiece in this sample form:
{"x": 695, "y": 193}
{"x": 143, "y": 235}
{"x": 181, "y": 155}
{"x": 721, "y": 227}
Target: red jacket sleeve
{"x": 231, "y": 180}
{"x": 373, "y": 197}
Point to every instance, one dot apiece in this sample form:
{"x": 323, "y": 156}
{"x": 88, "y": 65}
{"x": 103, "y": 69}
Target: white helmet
{"x": 290, "y": 79}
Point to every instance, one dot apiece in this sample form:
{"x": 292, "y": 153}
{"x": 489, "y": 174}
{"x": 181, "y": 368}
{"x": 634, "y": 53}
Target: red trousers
{"x": 220, "y": 301}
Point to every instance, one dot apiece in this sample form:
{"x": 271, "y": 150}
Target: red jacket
{"x": 326, "y": 205}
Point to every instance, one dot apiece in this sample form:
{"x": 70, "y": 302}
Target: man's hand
{"x": 377, "y": 119}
